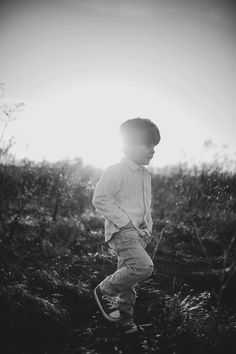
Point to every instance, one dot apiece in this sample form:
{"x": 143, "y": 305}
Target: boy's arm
{"x": 103, "y": 198}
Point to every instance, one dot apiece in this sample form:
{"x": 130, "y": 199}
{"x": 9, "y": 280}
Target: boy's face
{"x": 141, "y": 154}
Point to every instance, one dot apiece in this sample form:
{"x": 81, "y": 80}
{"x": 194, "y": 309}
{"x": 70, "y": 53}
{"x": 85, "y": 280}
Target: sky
{"x": 82, "y": 67}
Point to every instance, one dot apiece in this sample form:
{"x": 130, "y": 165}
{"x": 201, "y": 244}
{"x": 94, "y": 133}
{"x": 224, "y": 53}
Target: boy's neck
{"x": 130, "y": 158}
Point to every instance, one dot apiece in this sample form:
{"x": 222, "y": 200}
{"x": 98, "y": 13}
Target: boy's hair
{"x": 140, "y": 130}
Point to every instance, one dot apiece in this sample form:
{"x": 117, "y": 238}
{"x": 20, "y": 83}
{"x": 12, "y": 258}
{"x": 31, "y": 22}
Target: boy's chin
{"x": 146, "y": 162}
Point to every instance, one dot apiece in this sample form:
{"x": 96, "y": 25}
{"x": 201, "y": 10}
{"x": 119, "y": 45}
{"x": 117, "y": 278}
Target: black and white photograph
{"x": 118, "y": 177}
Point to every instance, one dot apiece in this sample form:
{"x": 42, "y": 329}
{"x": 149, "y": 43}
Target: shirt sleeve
{"x": 103, "y": 199}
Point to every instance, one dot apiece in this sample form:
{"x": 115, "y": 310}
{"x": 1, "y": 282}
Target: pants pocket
{"x": 112, "y": 247}
{"x": 112, "y": 243}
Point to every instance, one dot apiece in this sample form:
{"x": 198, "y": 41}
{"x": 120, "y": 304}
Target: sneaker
{"x": 107, "y": 304}
{"x": 128, "y": 328}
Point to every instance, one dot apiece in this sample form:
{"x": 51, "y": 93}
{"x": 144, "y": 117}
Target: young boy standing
{"x": 123, "y": 197}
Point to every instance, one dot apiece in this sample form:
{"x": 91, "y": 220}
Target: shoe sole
{"x": 101, "y": 309}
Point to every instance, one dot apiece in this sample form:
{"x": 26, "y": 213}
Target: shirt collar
{"x": 132, "y": 164}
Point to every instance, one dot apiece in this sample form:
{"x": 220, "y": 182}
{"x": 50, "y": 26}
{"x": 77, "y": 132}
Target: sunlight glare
{"x": 82, "y": 120}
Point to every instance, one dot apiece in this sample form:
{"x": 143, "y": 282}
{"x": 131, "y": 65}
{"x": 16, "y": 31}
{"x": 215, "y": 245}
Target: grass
{"x": 53, "y": 255}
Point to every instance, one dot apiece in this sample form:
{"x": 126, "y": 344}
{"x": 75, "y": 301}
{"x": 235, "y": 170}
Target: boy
{"x": 123, "y": 197}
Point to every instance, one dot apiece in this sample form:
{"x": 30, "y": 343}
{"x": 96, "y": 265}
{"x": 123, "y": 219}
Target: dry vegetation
{"x": 53, "y": 255}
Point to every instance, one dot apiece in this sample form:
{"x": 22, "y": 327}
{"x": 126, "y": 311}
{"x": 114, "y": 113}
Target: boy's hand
{"x": 145, "y": 234}
{"x": 147, "y": 237}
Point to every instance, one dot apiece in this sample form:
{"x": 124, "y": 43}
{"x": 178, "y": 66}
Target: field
{"x": 53, "y": 255}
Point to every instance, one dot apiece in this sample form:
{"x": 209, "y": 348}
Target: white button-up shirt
{"x": 123, "y": 194}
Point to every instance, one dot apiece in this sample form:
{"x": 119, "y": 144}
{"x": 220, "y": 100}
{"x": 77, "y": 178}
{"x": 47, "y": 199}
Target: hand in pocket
{"x": 145, "y": 234}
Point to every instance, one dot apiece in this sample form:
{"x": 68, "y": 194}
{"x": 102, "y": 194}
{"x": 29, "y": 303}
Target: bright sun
{"x": 82, "y": 120}
{"x": 79, "y": 120}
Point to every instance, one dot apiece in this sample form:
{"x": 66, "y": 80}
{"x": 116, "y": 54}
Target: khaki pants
{"x": 134, "y": 265}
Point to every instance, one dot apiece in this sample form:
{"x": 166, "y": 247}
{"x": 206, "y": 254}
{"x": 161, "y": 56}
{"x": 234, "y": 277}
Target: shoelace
{"x": 111, "y": 301}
